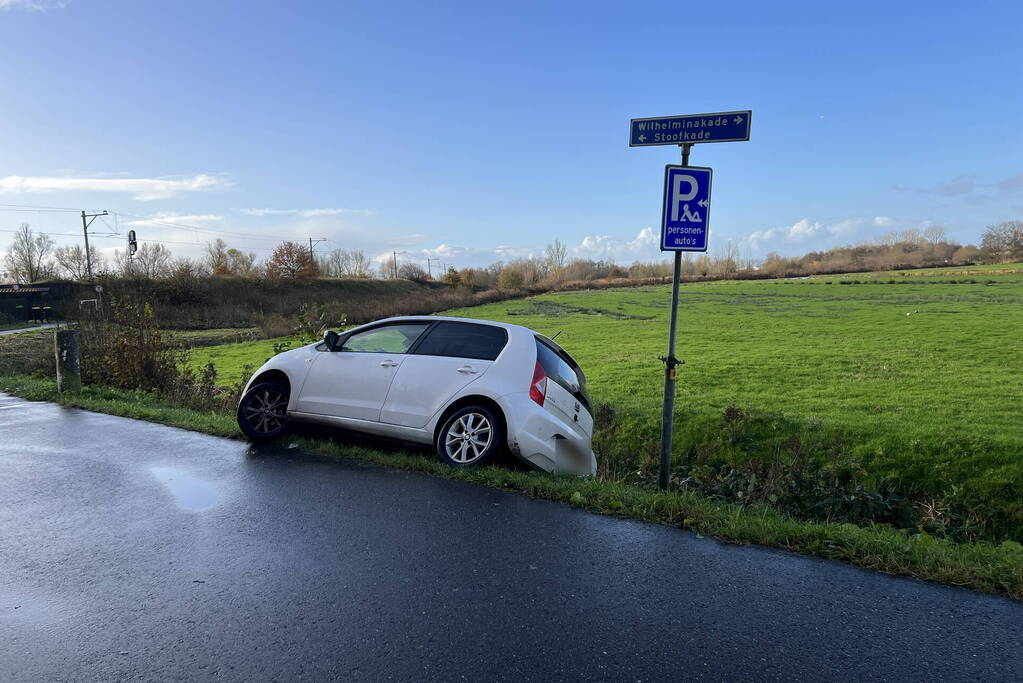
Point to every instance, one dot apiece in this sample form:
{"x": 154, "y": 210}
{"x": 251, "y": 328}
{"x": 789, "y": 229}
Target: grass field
{"x": 908, "y": 382}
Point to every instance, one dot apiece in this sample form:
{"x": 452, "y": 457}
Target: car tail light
{"x": 538, "y": 389}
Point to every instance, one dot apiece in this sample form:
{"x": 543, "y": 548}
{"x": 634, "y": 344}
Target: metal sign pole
{"x": 670, "y": 363}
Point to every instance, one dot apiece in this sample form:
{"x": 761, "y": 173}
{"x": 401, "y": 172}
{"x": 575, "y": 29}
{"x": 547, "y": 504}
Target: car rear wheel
{"x": 263, "y": 411}
{"x": 471, "y": 436}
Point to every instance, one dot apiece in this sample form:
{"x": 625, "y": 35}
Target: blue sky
{"x": 479, "y": 131}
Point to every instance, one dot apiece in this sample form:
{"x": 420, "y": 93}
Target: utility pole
{"x": 312, "y": 243}
{"x": 429, "y": 263}
{"x": 85, "y": 231}
{"x": 394, "y": 261}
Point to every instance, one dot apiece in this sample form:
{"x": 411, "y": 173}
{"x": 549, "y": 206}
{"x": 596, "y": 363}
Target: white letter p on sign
{"x": 677, "y": 196}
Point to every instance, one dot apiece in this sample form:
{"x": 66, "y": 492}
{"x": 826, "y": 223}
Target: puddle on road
{"x": 189, "y": 493}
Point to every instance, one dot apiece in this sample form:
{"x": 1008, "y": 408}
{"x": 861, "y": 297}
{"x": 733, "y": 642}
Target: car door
{"x": 451, "y": 356}
{"x": 353, "y": 382}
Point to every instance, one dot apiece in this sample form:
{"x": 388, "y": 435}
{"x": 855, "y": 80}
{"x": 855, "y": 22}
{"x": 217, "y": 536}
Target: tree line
{"x": 32, "y": 257}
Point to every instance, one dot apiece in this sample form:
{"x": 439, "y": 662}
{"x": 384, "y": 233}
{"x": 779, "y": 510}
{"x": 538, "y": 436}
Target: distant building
{"x": 23, "y": 303}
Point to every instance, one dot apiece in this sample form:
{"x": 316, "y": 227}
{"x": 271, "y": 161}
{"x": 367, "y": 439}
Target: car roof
{"x": 448, "y": 318}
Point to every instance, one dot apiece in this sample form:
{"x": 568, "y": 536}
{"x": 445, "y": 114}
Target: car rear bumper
{"x": 545, "y": 441}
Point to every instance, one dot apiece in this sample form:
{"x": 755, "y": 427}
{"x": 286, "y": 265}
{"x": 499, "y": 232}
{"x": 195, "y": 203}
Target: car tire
{"x": 263, "y": 411}
{"x": 471, "y": 437}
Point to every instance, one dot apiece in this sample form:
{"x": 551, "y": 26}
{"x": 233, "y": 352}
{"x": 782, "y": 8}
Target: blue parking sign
{"x": 685, "y": 216}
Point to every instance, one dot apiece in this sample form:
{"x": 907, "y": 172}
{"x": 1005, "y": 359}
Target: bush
{"x": 511, "y": 278}
{"x": 123, "y": 347}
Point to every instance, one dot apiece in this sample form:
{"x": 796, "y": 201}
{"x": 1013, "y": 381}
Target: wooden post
{"x": 69, "y": 362}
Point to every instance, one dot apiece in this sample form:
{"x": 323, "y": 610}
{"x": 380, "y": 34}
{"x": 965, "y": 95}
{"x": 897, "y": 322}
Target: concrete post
{"x": 69, "y": 362}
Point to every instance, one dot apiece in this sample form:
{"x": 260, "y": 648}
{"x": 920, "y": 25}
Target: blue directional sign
{"x": 685, "y": 216}
{"x": 726, "y": 126}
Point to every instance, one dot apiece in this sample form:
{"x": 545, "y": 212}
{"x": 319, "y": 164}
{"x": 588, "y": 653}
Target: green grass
{"x": 980, "y": 566}
{"x": 910, "y": 378}
{"x": 223, "y": 335}
{"x": 232, "y": 359}
{"x": 919, "y": 383}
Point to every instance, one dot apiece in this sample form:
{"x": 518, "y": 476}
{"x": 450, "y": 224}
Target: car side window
{"x": 463, "y": 340}
{"x": 386, "y": 339}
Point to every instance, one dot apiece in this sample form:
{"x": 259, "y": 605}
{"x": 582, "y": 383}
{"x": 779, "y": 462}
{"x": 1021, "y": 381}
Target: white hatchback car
{"x": 469, "y": 387}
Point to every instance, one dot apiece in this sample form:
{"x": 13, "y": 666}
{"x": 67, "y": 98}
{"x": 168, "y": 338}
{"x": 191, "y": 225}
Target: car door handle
{"x": 388, "y": 364}
{"x": 467, "y": 370}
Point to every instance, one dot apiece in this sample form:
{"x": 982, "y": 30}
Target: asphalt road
{"x": 132, "y": 550}
{"x": 33, "y": 328}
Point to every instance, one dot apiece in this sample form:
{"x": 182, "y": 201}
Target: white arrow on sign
{"x": 738, "y": 119}
{"x": 703, "y": 203}
{"x": 642, "y": 138}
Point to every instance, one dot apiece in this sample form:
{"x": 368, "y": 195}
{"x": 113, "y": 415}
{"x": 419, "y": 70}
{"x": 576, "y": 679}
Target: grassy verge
{"x": 979, "y": 566}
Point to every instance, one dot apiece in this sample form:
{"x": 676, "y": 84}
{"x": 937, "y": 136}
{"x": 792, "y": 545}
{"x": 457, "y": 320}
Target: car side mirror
{"x": 330, "y": 338}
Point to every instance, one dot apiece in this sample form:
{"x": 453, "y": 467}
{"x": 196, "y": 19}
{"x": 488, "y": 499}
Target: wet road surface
{"x": 133, "y": 550}
{"x": 32, "y": 328}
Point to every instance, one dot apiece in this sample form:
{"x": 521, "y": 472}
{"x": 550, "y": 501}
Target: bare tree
{"x": 28, "y": 257}
{"x": 347, "y": 264}
{"x": 241, "y": 263}
{"x": 186, "y": 269}
{"x": 935, "y": 234}
{"x": 216, "y": 257}
{"x": 358, "y": 265}
{"x": 150, "y": 261}
{"x": 555, "y": 256}
{"x": 1003, "y": 242}
{"x": 729, "y": 263}
{"x": 73, "y": 263}
{"x": 332, "y": 264}
{"x": 412, "y": 271}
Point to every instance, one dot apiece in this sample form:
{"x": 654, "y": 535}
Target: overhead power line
{"x": 148, "y": 221}
{"x": 32, "y": 207}
{"x": 155, "y": 220}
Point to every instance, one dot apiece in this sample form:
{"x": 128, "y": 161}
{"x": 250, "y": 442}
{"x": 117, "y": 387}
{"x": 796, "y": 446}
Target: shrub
{"x": 126, "y": 349}
{"x": 510, "y": 278}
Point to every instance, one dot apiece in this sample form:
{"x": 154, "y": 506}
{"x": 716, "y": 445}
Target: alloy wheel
{"x": 468, "y": 438}
{"x": 265, "y": 411}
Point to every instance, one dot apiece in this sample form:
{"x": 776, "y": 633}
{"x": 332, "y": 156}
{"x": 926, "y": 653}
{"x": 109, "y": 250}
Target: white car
{"x": 469, "y": 387}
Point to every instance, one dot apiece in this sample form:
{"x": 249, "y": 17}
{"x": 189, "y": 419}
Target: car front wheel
{"x": 471, "y": 436}
{"x": 263, "y": 411}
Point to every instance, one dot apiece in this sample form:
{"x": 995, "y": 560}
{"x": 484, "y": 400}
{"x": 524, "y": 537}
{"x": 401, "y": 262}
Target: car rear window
{"x": 561, "y": 368}
{"x": 463, "y": 340}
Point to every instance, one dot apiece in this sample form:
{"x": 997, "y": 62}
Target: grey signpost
{"x": 685, "y": 219}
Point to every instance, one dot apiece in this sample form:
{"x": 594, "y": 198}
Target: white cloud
{"x": 34, "y": 5}
{"x": 642, "y": 247}
{"x": 882, "y": 221}
{"x": 143, "y": 189}
{"x": 187, "y": 220}
{"x": 306, "y": 213}
{"x": 805, "y": 232}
